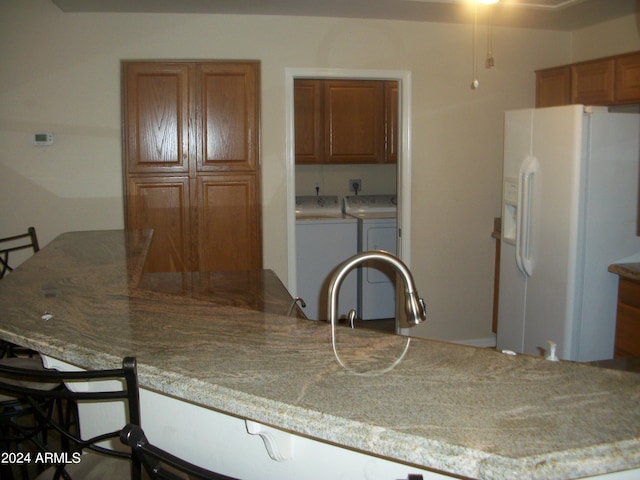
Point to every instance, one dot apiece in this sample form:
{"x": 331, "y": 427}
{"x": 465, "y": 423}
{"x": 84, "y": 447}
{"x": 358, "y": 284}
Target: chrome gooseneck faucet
{"x": 414, "y": 306}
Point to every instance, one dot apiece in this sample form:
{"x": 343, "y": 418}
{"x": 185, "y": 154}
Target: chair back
{"x": 161, "y": 465}
{"x": 14, "y": 243}
{"x": 23, "y": 384}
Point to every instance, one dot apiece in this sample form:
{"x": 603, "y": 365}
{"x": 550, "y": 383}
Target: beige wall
{"x": 60, "y": 73}
{"x": 608, "y": 38}
{"x": 334, "y": 179}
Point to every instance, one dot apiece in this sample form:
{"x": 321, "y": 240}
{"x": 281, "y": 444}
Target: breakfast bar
{"x": 236, "y": 380}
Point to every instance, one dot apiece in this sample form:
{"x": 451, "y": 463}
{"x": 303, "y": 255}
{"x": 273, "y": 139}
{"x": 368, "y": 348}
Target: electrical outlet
{"x": 355, "y": 185}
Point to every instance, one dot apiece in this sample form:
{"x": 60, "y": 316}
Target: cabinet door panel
{"x": 229, "y": 222}
{"x": 156, "y": 110}
{"x": 628, "y": 78}
{"x": 162, "y": 204}
{"x": 627, "y": 343}
{"x": 228, "y": 121}
{"x": 354, "y": 121}
{"x": 391, "y": 113}
{"x": 553, "y": 87}
{"x": 308, "y": 120}
{"x": 592, "y": 83}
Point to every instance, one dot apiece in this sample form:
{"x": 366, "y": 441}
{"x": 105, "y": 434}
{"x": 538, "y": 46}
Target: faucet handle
{"x": 423, "y": 309}
{"x": 416, "y": 308}
{"x": 352, "y": 317}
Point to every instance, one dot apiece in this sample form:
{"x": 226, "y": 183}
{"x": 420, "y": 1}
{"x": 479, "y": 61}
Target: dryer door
{"x": 378, "y": 281}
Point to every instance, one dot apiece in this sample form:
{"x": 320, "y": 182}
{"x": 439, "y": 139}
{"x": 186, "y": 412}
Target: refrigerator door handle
{"x": 528, "y": 168}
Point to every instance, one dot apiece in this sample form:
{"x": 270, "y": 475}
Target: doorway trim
{"x": 403, "y": 164}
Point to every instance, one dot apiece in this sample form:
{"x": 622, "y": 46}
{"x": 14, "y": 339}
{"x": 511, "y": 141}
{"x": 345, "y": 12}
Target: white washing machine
{"x": 377, "y": 230}
{"x": 325, "y": 237}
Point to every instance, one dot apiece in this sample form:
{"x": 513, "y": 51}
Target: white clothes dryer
{"x": 377, "y": 230}
{"x": 325, "y": 237}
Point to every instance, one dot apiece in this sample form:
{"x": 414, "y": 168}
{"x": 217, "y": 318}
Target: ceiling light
{"x": 487, "y": 2}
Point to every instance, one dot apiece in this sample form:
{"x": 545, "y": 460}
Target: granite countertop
{"x": 463, "y": 410}
{"x": 259, "y": 290}
{"x": 628, "y": 271}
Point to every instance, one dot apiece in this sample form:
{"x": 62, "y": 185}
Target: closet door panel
{"x": 229, "y": 222}
{"x": 156, "y": 111}
{"x": 228, "y": 116}
{"x": 191, "y": 138}
{"x": 163, "y": 205}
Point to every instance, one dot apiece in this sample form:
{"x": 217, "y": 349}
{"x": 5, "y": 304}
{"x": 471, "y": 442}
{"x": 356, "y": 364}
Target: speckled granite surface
{"x": 463, "y": 410}
{"x": 630, "y": 271}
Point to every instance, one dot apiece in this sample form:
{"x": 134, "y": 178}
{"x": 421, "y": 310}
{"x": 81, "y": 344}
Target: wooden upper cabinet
{"x": 308, "y": 114}
{"x": 391, "y": 112}
{"x": 345, "y": 121}
{"x": 353, "y": 121}
{"x": 228, "y": 116}
{"x": 156, "y": 106}
{"x": 592, "y": 82}
{"x": 553, "y": 87}
{"x": 627, "y": 75}
{"x": 605, "y": 81}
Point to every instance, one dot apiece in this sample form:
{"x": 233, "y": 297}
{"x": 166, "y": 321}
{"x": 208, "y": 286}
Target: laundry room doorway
{"x": 403, "y": 162}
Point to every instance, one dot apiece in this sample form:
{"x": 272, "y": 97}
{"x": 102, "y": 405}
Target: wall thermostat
{"x": 41, "y": 139}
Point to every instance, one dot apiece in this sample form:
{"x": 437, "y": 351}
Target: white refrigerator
{"x": 570, "y": 199}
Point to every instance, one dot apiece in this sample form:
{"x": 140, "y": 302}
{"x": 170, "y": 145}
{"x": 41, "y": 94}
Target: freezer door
{"x": 511, "y": 302}
{"x": 513, "y": 283}
{"x": 517, "y": 140}
{"x": 553, "y": 228}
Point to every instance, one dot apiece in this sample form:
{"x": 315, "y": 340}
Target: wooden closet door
{"x": 227, "y": 116}
{"x": 229, "y": 224}
{"x": 162, "y": 203}
{"x": 157, "y": 117}
{"x": 191, "y": 146}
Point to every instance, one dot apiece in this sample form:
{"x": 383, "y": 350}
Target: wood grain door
{"x": 627, "y": 77}
{"x": 391, "y": 120}
{"x": 592, "y": 82}
{"x": 162, "y": 203}
{"x": 553, "y": 87}
{"x": 229, "y": 233}
{"x": 227, "y": 116}
{"x": 354, "y": 121}
{"x": 309, "y": 125}
{"x": 192, "y": 170}
{"x": 157, "y": 100}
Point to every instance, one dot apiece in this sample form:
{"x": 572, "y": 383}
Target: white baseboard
{"x": 487, "y": 342}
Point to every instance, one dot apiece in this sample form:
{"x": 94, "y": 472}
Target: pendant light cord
{"x": 474, "y": 83}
